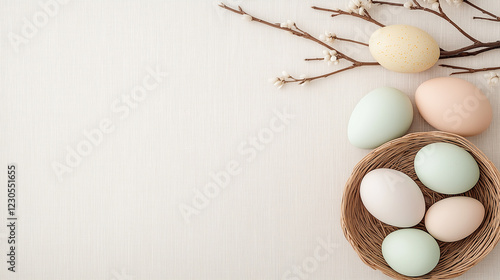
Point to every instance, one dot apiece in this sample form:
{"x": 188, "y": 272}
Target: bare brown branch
{"x": 303, "y": 34}
{"x": 351, "y": 41}
{"x": 493, "y": 16}
{"x": 337, "y": 12}
{"x": 440, "y": 13}
{"x": 309, "y": 79}
{"x": 467, "y": 70}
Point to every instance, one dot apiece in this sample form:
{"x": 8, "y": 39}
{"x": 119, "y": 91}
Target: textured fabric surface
{"x": 111, "y": 151}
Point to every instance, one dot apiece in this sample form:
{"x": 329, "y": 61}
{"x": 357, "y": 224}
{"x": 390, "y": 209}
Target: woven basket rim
{"x": 488, "y": 235}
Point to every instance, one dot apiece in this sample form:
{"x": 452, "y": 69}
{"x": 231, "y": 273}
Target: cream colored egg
{"x": 404, "y": 48}
{"x": 454, "y": 105}
{"x": 454, "y": 218}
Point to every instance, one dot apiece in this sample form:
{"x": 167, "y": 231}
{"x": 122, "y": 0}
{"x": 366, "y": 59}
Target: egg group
{"x": 395, "y": 199}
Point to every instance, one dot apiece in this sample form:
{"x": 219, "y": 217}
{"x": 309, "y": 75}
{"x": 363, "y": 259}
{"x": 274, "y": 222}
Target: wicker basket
{"x": 366, "y": 233}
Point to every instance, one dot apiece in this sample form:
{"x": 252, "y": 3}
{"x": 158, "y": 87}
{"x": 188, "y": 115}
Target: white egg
{"x": 392, "y": 197}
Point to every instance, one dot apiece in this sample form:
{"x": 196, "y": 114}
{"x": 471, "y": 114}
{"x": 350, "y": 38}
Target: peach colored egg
{"x": 454, "y": 105}
{"x": 454, "y": 218}
{"x": 404, "y": 48}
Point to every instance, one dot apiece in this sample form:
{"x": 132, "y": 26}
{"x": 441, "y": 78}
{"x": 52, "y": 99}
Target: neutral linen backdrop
{"x": 115, "y": 214}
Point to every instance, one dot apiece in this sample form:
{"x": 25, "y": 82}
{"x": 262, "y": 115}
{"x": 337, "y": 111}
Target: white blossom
{"x": 434, "y": 4}
{"x": 330, "y": 57}
{"x": 455, "y": 2}
{"x": 351, "y": 7}
{"x": 362, "y": 11}
{"x": 408, "y": 4}
{"x": 358, "y": 6}
{"x": 287, "y": 24}
{"x": 492, "y": 78}
{"x": 246, "y": 17}
{"x": 305, "y": 80}
{"x": 279, "y": 82}
{"x": 328, "y": 37}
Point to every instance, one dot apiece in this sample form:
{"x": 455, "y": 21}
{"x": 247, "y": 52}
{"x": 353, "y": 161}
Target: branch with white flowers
{"x": 435, "y": 8}
{"x": 359, "y": 9}
{"x": 355, "y": 8}
{"x": 331, "y": 55}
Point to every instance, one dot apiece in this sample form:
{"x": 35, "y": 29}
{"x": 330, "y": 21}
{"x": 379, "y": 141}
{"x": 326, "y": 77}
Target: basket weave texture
{"x": 365, "y": 233}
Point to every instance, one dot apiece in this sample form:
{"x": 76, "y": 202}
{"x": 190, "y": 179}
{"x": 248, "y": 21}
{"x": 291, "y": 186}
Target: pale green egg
{"x": 446, "y": 168}
{"x": 383, "y": 114}
{"x": 411, "y": 252}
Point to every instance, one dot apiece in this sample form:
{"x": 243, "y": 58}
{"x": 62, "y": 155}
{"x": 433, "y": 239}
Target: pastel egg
{"x": 392, "y": 197}
{"x": 404, "y": 48}
{"x": 411, "y": 252}
{"x": 454, "y": 218}
{"x": 446, "y": 168}
{"x": 454, "y": 105}
{"x": 383, "y": 114}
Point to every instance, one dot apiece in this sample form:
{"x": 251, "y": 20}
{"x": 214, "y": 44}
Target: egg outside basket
{"x": 366, "y": 233}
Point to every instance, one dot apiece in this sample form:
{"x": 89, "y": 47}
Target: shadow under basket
{"x": 366, "y": 233}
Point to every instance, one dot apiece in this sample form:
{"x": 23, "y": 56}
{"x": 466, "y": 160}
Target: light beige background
{"x": 116, "y": 215}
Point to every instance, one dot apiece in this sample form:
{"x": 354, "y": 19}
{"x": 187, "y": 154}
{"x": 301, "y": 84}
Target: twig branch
{"x": 460, "y": 52}
{"x": 475, "y": 48}
{"x": 309, "y": 79}
{"x": 298, "y": 32}
{"x": 338, "y": 12}
{"x": 303, "y": 34}
{"x": 477, "y": 45}
{"x": 351, "y": 41}
{"x": 493, "y": 16}
{"x": 440, "y": 13}
{"x": 467, "y": 50}
{"x": 467, "y": 70}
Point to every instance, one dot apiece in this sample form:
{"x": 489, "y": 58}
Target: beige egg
{"x": 454, "y": 105}
{"x": 404, "y": 48}
{"x": 454, "y": 218}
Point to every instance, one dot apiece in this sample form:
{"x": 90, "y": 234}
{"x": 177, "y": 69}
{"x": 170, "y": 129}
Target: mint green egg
{"x": 446, "y": 168}
{"x": 382, "y": 115}
{"x": 411, "y": 252}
